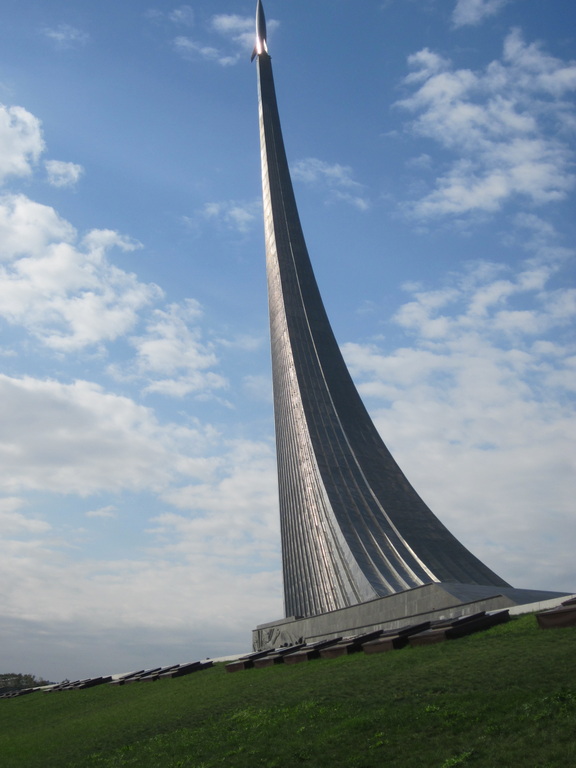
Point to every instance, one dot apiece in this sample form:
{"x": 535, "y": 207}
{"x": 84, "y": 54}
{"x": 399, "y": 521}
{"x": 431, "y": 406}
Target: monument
{"x": 353, "y": 529}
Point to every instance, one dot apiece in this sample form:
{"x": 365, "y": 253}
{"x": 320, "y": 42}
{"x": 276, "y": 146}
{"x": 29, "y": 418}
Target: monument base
{"x": 430, "y": 602}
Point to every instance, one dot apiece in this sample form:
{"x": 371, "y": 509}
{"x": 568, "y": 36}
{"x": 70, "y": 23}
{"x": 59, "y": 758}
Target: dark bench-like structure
{"x": 460, "y": 627}
{"x": 275, "y": 657}
{"x": 556, "y": 618}
{"x": 348, "y": 645}
{"x": 309, "y": 651}
{"x": 247, "y": 661}
{"x": 78, "y": 685}
{"x": 186, "y": 669}
{"x": 14, "y": 694}
{"x": 161, "y": 673}
{"x": 394, "y": 639}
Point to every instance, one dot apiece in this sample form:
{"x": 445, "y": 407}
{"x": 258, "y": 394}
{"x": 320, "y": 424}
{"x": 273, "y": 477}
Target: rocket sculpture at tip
{"x": 261, "y": 44}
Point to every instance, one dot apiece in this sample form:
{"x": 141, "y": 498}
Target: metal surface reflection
{"x": 352, "y": 526}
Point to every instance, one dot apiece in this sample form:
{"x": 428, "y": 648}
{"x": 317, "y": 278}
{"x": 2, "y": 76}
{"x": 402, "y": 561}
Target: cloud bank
{"x": 497, "y": 125}
{"x": 474, "y": 12}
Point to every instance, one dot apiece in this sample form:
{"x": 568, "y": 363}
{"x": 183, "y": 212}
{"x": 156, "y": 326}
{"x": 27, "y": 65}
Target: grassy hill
{"x": 499, "y": 699}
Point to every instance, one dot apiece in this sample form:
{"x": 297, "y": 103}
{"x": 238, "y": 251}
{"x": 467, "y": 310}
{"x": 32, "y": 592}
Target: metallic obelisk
{"x": 352, "y": 526}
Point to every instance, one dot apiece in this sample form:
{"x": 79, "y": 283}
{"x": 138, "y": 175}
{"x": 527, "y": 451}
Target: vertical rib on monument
{"x": 352, "y": 526}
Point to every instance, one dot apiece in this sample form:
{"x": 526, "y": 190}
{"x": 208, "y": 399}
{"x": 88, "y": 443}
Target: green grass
{"x": 499, "y": 699}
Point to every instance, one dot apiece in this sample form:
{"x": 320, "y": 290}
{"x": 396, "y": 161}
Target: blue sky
{"x": 432, "y": 148}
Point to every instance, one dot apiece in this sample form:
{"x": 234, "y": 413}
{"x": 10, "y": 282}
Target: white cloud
{"x": 538, "y": 72}
{"x": 172, "y": 356}
{"x": 109, "y": 511}
{"x": 191, "y": 50}
{"x": 184, "y": 15}
{"x": 473, "y": 12}
{"x": 65, "y": 293}
{"x": 232, "y": 25}
{"x": 65, "y": 36}
{"x": 13, "y": 523}
{"x": 426, "y": 63}
{"x": 236, "y": 215}
{"x": 30, "y": 229}
{"x": 505, "y": 125}
{"x": 258, "y": 387}
{"x": 422, "y": 162}
{"x": 337, "y": 178}
{"x": 243, "y": 342}
{"x": 61, "y": 174}
{"x": 236, "y": 506}
{"x": 68, "y": 296}
{"x": 10, "y": 504}
{"x": 21, "y": 142}
{"x": 79, "y": 439}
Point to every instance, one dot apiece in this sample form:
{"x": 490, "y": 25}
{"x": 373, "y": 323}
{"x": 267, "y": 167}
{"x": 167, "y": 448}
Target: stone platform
{"x": 429, "y": 602}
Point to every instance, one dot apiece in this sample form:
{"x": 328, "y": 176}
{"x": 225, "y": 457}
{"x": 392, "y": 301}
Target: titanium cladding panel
{"x": 352, "y": 526}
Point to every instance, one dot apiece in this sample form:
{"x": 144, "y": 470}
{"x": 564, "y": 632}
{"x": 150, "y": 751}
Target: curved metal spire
{"x": 352, "y": 526}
